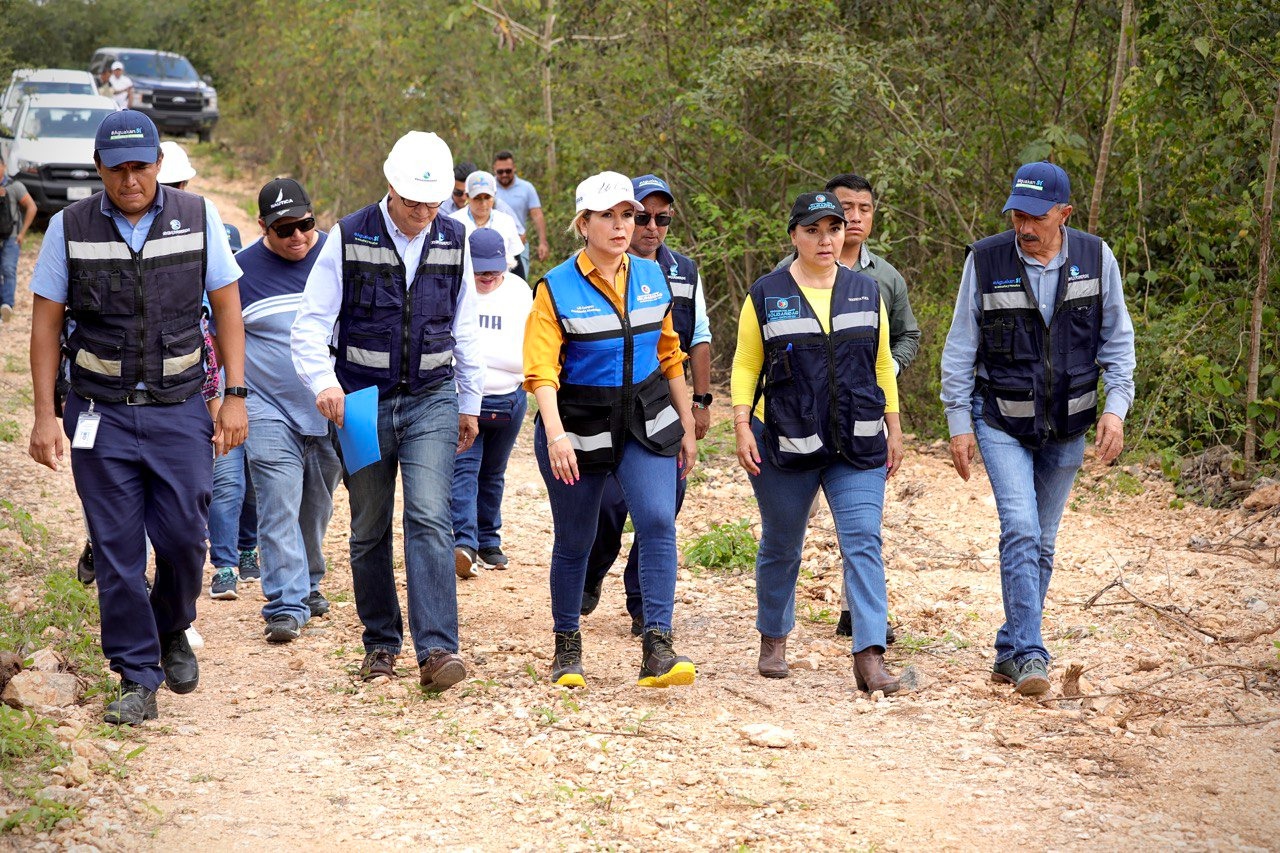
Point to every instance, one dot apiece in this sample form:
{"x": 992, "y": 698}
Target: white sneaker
{"x": 194, "y": 638}
{"x": 6, "y": 313}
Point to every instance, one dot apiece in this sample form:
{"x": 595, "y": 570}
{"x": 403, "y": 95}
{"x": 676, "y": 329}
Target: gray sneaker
{"x": 282, "y": 629}
{"x": 223, "y": 587}
{"x": 1029, "y": 678}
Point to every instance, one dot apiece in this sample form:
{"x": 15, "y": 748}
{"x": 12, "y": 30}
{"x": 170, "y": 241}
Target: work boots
{"x": 870, "y": 674}
{"x": 566, "y": 666}
{"x": 661, "y": 666}
{"x": 773, "y": 657}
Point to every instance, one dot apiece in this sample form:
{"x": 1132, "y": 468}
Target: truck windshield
{"x": 160, "y": 66}
{"x": 62, "y": 123}
{"x": 49, "y": 87}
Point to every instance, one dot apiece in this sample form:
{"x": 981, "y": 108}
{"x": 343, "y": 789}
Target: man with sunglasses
{"x": 394, "y": 276}
{"x": 689, "y": 319}
{"x": 292, "y": 462}
{"x": 523, "y": 199}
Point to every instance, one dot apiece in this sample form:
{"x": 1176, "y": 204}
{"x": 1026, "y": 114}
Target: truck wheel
{"x": 205, "y": 135}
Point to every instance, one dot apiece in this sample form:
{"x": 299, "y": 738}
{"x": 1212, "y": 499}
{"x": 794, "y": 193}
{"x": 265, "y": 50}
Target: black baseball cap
{"x": 808, "y": 208}
{"x": 283, "y": 197}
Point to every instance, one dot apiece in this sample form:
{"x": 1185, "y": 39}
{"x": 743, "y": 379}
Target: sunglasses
{"x": 662, "y": 220}
{"x": 504, "y": 171}
{"x": 459, "y": 193}
{"x": 284, "y": 232}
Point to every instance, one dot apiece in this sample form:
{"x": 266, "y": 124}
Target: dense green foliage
{"x": 742, "y": 105}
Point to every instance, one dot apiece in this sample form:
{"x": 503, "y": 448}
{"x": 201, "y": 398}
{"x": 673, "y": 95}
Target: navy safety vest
{"x": 682, "y": 278}
{"x": 821, "y": 400}
{"x": 611, "y": 384}
{"x": 391, "y": 336}
{"x": 1042, "y": 381}
{"x": 137, "y": 314}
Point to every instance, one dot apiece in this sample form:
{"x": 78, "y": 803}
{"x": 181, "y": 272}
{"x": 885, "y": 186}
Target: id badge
{"x": 86, "y": 431}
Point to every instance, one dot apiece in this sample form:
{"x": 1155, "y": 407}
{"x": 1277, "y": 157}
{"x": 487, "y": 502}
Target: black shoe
{"x": 317, "y": 604}
{"x": 591, "y": 597}
{"x": 493, "y": 558}
{"x": 889, "y": 636}
{"x": 637, "y": 625}
{"x": 181, "y": 670}
{"x": 566, "y": 666}
{"x": 85, "y": 571}
{"x": 661, "y": 666}
{"x": 136, "y": 703}
{"x": 282, "y": 628}
{"x": 250, "y": 571}
{"x": 844, "y": 628}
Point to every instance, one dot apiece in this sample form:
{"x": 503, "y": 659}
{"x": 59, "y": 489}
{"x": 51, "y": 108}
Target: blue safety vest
{"x": 396, "y": 337}
{"x": 137, "y": 314}
{"x": 682, "y": 277}
{"x": 821, "y": 399}
{"x": 611, "y": 383}
{"x": 1042, "y": 380}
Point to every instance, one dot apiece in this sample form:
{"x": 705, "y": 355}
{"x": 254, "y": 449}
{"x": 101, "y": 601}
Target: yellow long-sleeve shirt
{"x": 748, "y": 358}
{"x": 544, "y": 339}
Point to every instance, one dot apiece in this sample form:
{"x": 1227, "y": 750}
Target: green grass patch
{"x": 10, "y": 431}
{"x": 726, "y": 547}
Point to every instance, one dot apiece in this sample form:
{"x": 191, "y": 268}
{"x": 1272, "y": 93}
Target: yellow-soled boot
{"x": 660, "y": 666}
{"x": 566, "y": 667}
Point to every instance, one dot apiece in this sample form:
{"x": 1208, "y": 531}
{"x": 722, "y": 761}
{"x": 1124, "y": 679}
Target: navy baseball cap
{"x": 808, "y": 208}
{"x": 647, "y": 185}
{"x": 127, "y": 136}
{"x": 1037, "y": 187}
{"x": 488, "y": 251}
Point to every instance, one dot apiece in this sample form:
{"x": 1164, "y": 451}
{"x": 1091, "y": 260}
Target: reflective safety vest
{"x": 1042, "y": 381}
{"x": 821, "y": 399}
{"x": 611, "y": 383}
{"x": 137, "y": 314}
{"x": 682, "y": 277}
{"x": 396, "y": 337}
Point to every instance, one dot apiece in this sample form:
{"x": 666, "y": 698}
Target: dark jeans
{"x": 479, "y": 473}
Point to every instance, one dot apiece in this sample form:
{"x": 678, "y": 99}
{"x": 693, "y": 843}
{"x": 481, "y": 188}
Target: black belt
{"x": 143, "y": 397}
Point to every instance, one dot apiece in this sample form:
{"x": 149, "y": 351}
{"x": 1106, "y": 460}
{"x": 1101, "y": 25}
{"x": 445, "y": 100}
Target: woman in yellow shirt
{"x": 813, "y": 341}
{"x": 604, "y": 363}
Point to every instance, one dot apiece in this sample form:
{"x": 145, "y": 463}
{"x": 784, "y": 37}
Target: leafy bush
{"x": 725, "y": 547}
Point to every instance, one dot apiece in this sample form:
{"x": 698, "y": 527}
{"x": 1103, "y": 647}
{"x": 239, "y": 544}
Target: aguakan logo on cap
{"x": 652, "y": 182}
{"x": 127, "y": 133}
{"x": 1026, "y": 184}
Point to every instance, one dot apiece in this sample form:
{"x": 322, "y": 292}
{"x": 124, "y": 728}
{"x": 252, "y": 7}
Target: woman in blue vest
{"x": 813, "y": 340}
{"x": 604, "y": 363}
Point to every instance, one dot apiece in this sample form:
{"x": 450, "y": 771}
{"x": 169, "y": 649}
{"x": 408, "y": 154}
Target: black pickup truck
{"x": 166, "y": 87}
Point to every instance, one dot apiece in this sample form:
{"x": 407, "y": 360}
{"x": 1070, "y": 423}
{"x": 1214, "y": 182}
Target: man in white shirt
{"x": 413, "y": 336}
{"x": 121, "y": 85}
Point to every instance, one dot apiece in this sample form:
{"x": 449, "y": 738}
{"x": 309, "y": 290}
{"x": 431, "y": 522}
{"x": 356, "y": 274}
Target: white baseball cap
{"x": 117, "y": 66}
{"x": 603, "y": 191}
{"x": 176, "y": 166}
{"x": 420, "y": 167}
{"x": 481, "y": 183}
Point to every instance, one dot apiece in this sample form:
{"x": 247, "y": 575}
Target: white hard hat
{"x": 176, "y": 166}
{"x": 603, "y": 191}
{"x": 420, "y": 167}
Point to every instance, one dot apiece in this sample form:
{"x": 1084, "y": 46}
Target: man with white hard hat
{"x": 413, "y": 336}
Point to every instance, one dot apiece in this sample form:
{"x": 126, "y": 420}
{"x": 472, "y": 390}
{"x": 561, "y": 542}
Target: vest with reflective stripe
{"x": 682, "y": 278}
{"x": 1042, "y": 381}
{"x": 137, "y": 314}
{"x": 391, "y": 336}
{"x": 611, "y": 383}
{"x": 821, "y": 400}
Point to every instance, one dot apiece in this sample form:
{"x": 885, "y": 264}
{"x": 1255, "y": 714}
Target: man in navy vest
{"x": 132, "y": 265}
{"x": 392, "y": 276}
{"x": 1040, "y": 315}
{"x": 689, "y": 319}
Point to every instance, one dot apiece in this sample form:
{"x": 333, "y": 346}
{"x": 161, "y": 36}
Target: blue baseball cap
{"x": 127, "y": 136}
{"x": 647, "y": 185}
{"x": 1037, "y": 187}
{"x": 488, "y": 251}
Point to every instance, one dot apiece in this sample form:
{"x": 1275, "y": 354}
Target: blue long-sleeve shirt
{"x": 960, "y": 354}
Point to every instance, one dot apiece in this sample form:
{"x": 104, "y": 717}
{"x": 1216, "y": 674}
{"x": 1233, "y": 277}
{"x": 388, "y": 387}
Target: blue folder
{"x": 358, "y": 435}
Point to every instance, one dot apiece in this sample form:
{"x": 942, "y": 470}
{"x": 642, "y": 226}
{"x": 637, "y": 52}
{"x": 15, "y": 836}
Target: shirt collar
{"x": 109, "y": 209}
{"x": 587, "y": 267}
{"x": 1056, "y": 261}
{"x": 864, "y": 256}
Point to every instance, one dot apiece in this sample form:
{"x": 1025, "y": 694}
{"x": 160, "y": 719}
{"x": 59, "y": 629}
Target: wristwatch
{"x": 236, "y": 391}
{"x": 702, "y": 401}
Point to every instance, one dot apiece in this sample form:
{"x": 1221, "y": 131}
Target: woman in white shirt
{"x": 479, "y": 213}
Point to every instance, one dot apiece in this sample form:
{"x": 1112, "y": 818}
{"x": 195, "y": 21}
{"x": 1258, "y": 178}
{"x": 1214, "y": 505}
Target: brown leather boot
{"x": 773, "y": 657}
{"x": 870, "y": 674}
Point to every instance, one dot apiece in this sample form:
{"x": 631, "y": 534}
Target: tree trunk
{"x": 547, "y": 103}
{"x": 1104, "y": 150}
{"x": 1260, "y": 292}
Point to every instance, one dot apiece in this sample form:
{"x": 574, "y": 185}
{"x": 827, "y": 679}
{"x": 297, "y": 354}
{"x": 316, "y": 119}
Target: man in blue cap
{"x": 130, "y": 266}
{"x": 689, "y": 318}
{"x": 1039, "y": 316}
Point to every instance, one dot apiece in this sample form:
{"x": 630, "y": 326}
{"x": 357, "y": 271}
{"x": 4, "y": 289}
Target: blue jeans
{"x": 1031, "y": 488}
{"x": 479, "y": 473}
{"x": 9, "y": 267}
{"x": 419, "y": 436}
{"x": 648, "y": 482}
{"x": 233, "y": 515}
{"x": 295, "y": 476}
{"x": 856, "y": 499}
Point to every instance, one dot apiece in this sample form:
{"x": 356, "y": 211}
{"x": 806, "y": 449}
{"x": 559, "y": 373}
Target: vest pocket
{"x": 997, "y": 335}
{"x": 777, "y": 369}
{"x": 590, "y": 431}
{"x": 182, "y": 356}
{"x": 436, "y": 353}
{"x": 1014, "y": 407}
{"x": 661, "y": 421}
{"x": 861, "y": 426}
{"x": 368, "y": 354}
{"x": 794, "y": 445}
{"x": 1082, "y": 397}
{"x": 98, "y": 359}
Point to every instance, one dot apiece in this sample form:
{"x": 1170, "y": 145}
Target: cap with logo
{"x": 280, "y": 198}
{"x": 127, "y": 136}
{"x": 117, "y": 66}
{"x": 481, "y": 183}
{"x": 1037, "y": 187}
{"x": 808, "y": 208}
{"x": 176, "y": 166}
{"x": 488, "y": 251}
{"x": 420, "y": 168}
{"x": 603, "y": 191}
{"x": 647, "y": 185}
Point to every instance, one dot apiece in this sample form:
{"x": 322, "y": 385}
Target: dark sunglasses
{"x": 284, "y": 232}
{"x": 505, "y": 171}
{"x": 662, "y": 220}
{"x": 459, "y": 193}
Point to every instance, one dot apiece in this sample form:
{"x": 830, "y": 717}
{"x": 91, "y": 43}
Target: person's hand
{"x": 231, "y": 427}
{"x": 564, "y": 462}
{"x": 468, "y": 429}
{"x": 46, "y": 441}
{"x": 748, "y": 453}
{"x": 688, "y": 453}
{"x": 701, "y": 422}
{"x": 896, "y": 453}
{"x": 1110, "y": 440}
{"x": 332, "y": 403}
{"x": 963, "y": 449}
{"x": 543, "y": 250}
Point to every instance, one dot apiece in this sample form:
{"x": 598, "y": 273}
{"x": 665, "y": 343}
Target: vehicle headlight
{"x": 28, "y": 166}
{"x": 138, "y": 97}
{"x": 211, "y": 100}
